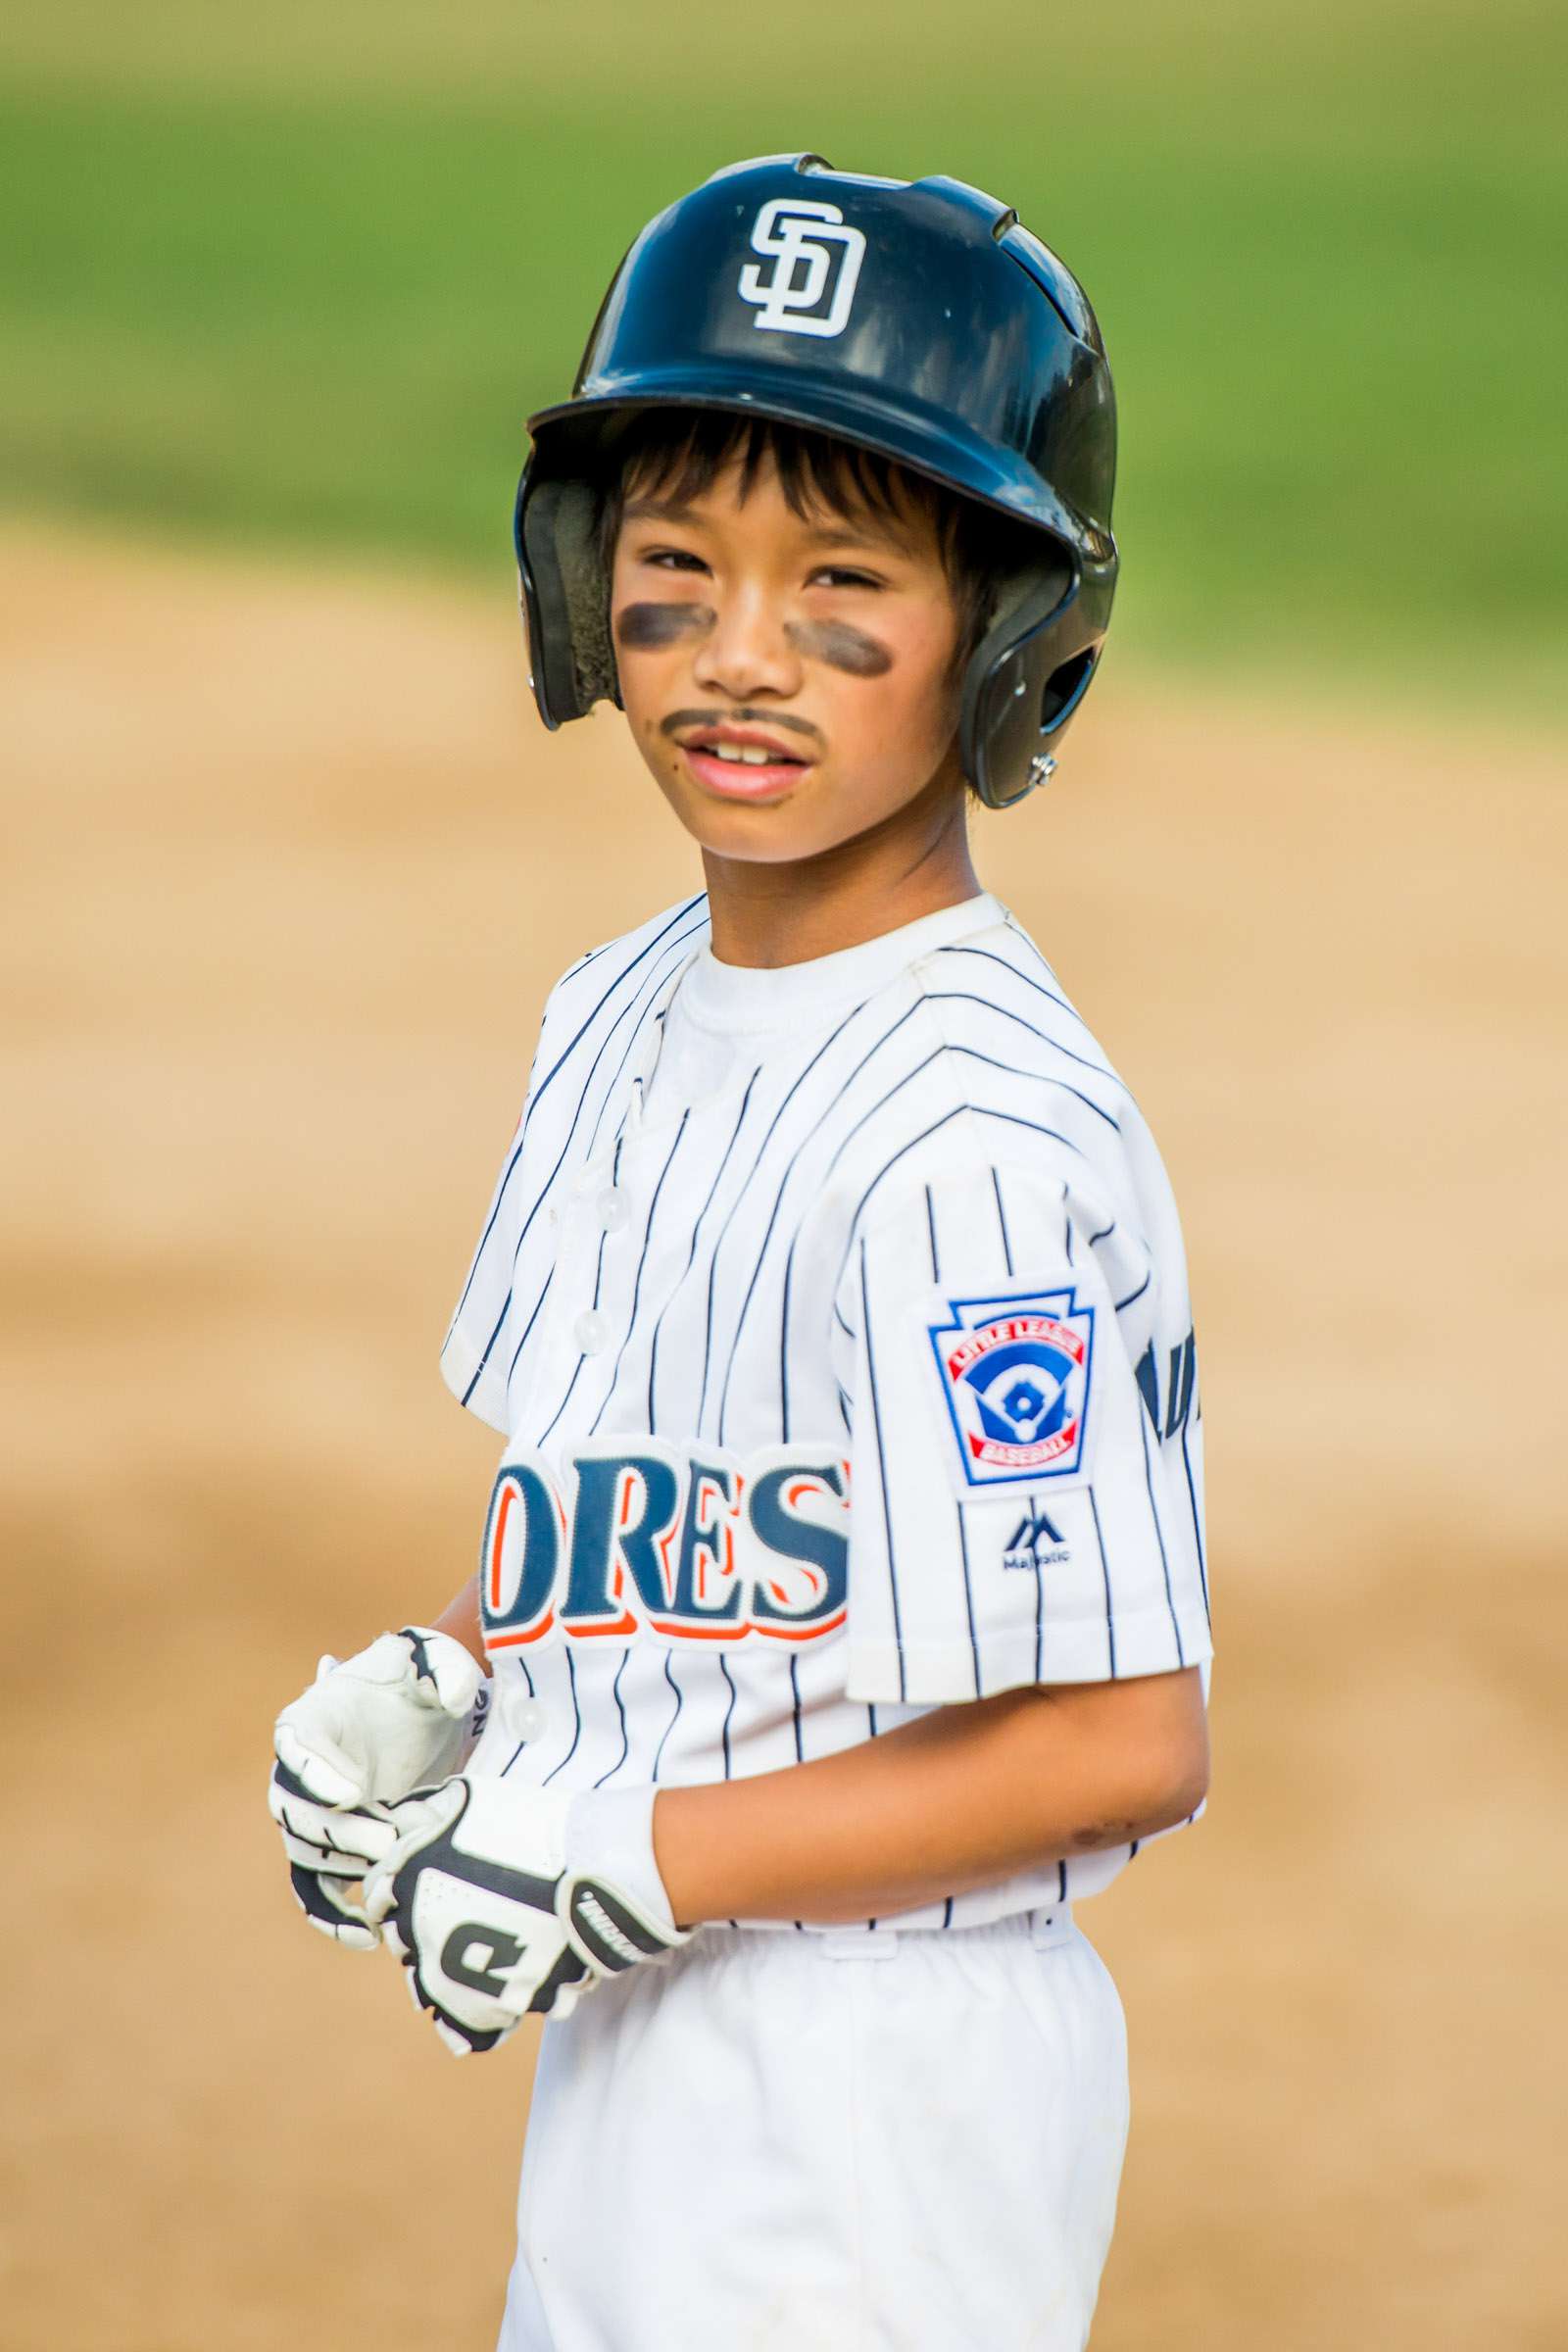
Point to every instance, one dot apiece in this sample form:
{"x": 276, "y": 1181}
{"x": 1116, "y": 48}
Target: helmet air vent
{"x": 1064, "y": 687}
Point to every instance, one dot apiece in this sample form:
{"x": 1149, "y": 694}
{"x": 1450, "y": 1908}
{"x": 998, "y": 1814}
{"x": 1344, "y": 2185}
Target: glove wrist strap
{"x": 610, "y": 1847}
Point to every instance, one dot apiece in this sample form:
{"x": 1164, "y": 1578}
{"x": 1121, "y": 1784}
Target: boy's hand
{"x": 328, "y": 1850}
{"x": 501, "y": 1900}
{"x": 398, "y": 1716}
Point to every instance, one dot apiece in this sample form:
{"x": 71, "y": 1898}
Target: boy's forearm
{"x": 962, "y": 1798}
{"x": 461, "y": 1619}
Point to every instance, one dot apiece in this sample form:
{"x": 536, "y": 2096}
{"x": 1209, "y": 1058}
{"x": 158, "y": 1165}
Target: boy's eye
{"x": 674, "y": 559}
{"x": 844, "y": 575}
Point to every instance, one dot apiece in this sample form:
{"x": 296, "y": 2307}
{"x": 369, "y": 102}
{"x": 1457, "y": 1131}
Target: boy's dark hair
{"x": 680, "y": 452}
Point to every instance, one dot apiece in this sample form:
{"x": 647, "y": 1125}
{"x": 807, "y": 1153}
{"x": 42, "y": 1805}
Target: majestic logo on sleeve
{"x": 638, "y": 1535}
{"x": 1036, "y": 1542}
{"x": 1016, "y": 1374}
{"x": 813, "y": 266}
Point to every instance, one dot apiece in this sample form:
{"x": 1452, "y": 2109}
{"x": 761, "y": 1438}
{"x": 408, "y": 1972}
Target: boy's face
{"x": 788, "y": 680}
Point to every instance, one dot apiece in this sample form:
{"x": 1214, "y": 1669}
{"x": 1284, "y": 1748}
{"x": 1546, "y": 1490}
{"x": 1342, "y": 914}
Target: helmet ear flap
{"x": 1027, "y": 675}
{"x": 566, "y": 597}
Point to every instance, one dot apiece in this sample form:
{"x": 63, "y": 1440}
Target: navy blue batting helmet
{"x": 914, "y": 317}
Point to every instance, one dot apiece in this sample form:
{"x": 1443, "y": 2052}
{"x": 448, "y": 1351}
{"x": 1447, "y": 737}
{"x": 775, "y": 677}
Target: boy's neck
{"x": 767, "y": 915}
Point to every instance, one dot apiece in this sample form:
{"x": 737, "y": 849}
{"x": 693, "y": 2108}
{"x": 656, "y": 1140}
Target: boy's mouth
{"x": 741, "y": 763}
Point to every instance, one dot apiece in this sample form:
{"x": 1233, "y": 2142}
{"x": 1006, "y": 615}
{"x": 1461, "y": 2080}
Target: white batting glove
{"x": 328, "y": 1847}
{"x": 398, "y": 1716}
{"x": 501, "y": 1900}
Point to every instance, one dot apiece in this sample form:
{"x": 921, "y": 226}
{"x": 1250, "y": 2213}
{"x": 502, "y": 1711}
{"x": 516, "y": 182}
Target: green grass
{"x": 305, "y": 290}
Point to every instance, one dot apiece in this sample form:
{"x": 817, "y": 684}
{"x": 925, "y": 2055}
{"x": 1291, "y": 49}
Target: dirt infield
{"x": 289, "y": 864}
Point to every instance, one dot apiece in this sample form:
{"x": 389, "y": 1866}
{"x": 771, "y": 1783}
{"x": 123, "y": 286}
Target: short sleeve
{"x": 1018, "y": 1513}
{"x": 473, "y": 1353}
{"x": 480, "y": 1342}
{"x": 609, "y": 996}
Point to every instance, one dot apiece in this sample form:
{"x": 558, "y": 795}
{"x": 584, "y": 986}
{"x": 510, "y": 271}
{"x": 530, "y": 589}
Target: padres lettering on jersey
{"x": 697, "y": 1548}
{"x": 846, "y": 1372}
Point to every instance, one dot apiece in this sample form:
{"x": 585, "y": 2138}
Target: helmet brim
{"x": 571, "y": 435}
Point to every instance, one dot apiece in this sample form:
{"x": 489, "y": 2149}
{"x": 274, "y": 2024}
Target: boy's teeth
{"x": 750, "y": 755}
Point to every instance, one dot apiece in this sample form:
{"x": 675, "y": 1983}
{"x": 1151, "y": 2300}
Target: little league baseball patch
{"x": 1016, "y": 1370}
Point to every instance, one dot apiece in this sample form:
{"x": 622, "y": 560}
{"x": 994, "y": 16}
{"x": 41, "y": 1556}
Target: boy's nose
{"x": 747, "y": 653}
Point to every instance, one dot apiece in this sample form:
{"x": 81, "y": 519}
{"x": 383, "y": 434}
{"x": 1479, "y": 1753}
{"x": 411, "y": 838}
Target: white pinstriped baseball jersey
{"x": 836, "y": 1320}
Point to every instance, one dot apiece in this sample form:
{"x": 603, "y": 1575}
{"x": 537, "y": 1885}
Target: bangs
{"x": 680, "y": 455}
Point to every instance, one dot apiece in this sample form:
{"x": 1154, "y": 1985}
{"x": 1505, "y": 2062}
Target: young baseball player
{"x": 840, "y": 1620}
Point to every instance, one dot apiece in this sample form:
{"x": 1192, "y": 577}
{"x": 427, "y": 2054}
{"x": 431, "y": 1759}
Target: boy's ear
{"x": 566, "y": 592}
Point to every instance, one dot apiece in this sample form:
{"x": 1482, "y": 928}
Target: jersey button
{"x": 613, "y": 1209}
{"x": 592, "y": 1331}
{"x": 526, "y": 1718}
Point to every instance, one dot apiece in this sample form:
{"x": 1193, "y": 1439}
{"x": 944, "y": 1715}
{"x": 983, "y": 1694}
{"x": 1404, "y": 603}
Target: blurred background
{"x": 290, "y": 865}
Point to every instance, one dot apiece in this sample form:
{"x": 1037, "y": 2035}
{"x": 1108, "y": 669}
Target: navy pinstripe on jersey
{"x": 737, "y": 1524}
